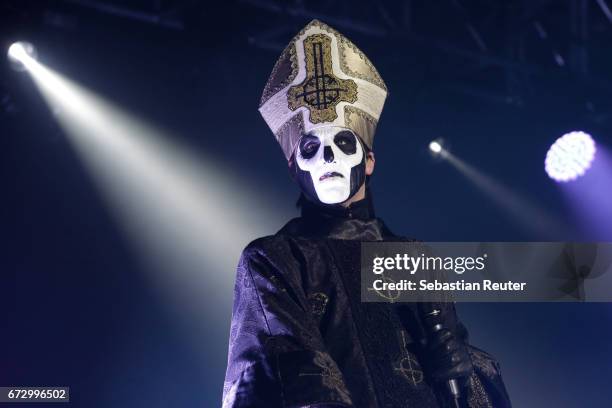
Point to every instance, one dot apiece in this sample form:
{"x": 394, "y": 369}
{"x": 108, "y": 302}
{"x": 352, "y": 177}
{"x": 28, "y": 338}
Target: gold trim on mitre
{"x": 322, "y": 79}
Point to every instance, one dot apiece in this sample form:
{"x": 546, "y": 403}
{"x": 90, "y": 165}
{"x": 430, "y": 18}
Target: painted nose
{"x": 328, "y": 154}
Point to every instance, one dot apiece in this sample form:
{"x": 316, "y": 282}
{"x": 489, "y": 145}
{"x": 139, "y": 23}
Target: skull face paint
{"x": 329, "y": 164}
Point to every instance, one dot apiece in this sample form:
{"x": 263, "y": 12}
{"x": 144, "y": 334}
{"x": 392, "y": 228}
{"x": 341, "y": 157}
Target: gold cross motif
{"x": 321, "y": 90}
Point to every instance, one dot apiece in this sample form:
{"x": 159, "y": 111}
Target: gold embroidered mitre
{"x": 322, "y": 79}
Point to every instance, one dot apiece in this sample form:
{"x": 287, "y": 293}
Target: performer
{"x": 300, "y": 335}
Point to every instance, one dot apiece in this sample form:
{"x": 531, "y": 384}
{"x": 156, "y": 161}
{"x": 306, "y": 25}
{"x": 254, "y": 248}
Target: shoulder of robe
{"x": 273, "y": 251}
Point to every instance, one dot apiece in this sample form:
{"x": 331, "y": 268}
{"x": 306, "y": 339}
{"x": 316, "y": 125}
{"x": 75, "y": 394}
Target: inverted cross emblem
{"x": 321, "y": 90}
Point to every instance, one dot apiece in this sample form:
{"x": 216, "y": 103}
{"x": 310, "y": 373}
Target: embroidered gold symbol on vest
{"x": 407, "y": 365}
{"x": 321, "y": 90}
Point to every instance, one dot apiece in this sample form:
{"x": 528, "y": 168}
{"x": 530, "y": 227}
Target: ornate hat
{"x": 322, "y": 79}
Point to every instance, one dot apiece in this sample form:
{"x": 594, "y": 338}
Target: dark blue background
{"x": 78, "y": 308}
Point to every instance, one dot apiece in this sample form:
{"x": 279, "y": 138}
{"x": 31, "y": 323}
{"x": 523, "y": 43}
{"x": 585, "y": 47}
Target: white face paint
{"x": 328, "y": 154}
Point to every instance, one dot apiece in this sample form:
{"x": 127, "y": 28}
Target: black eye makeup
{"x": 308, "y": 146}
{"x": 346, "y": 141}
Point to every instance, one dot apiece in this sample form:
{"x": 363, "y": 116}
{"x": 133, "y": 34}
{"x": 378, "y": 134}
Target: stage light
{"x": 21, "y": 54}
{"x": 570, "y": 156}
{"x": 187, "y": 215}
{"x": 435, "y": 147}
{"x": 438, "y": 149}
{"x": 521, "y": 208}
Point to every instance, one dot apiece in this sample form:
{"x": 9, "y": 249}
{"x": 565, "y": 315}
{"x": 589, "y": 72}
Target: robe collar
{"x": 355, "y": 222}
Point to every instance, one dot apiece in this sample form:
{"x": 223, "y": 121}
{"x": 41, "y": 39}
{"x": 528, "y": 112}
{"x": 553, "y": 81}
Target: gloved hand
{"x": 446, "y": 357}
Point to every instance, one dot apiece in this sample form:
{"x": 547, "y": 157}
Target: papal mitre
{"x": 322, "y": 79}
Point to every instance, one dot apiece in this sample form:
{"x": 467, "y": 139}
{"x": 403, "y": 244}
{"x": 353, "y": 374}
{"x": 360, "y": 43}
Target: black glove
{"x": 447, "y": 357}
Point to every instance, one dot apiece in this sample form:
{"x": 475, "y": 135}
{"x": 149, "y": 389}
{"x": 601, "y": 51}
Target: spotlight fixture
{"x": 570, "y": 156}
{"x": 20, "y": 53}
{"x": 438, "y": 148}
{"x": 435, "y": 147}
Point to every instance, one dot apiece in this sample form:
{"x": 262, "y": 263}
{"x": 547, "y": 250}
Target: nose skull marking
{"x": 328, "y": 154}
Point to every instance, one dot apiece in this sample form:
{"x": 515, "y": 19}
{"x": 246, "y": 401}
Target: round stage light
{"x": 570, "y": 156}
{"x": 435, "y": 147}
{"x": 438, "y": 149}
{"x": 20, "y": 53}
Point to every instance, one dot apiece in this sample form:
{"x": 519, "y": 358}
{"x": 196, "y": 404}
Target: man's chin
{"x": 333, "y": 195}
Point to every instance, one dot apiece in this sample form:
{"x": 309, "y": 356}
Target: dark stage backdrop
{"x": 78, "y": 305}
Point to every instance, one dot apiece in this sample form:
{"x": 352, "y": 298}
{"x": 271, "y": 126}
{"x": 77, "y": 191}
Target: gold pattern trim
{"x": 407, "y": 365}
{"x": 366, "y": 128}
{"x": 372, "y": 76}
{"x": 348, "y": 109}
{"x": 321, "y": 90}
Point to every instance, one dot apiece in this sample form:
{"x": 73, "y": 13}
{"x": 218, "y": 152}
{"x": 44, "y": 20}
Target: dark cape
{"x": 301, "y": 337}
